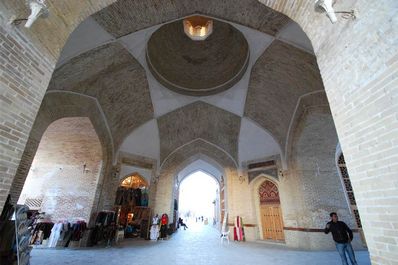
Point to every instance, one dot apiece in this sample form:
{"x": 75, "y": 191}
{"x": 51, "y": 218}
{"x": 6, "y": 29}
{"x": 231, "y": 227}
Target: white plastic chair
{"x": 225, "y": 235}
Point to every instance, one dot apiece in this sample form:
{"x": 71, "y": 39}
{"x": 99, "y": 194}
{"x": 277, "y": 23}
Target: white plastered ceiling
{"x": 199, "y": 165}
{"x": 294, "y": 35}
{"x": 88, "y": 35}
{"x": 143, "y": 141}
{"x": 254, "y": 141}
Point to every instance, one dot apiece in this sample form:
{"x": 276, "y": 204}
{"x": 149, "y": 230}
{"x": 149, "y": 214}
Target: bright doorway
{"x": 199, "y": 198}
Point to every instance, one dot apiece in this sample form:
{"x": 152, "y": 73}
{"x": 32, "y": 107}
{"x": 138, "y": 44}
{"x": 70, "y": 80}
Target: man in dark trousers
{"x": 342, "y": 236}
{"x": 181, "y": 223}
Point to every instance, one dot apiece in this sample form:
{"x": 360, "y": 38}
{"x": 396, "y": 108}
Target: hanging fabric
{"x": 238, "y": 230}
{"x": 154, "y": 234}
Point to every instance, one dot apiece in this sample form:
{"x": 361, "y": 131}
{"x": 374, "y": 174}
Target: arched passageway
{"x": 61, "y": 186}
{"x": 359, "y": 91}
{"x": 64, "y": 175}
{"x": 199, "y": 197}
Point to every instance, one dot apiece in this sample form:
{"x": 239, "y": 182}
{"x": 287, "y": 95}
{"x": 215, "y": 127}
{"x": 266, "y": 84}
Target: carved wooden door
{"x": 271, "y": 219}
{"x": 270, "y": 210}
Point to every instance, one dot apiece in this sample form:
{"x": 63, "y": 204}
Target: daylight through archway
{"x": 199, "y": 198}
{"x": 257, "y": 91}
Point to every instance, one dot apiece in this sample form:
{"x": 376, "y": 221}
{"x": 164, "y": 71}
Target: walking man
{"x": 342, "y": 236}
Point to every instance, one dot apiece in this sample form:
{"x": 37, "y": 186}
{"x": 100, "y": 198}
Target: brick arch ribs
{"x": 56, "y": 106}
{"x": 357, "y": 91}
{"x": 183, "y": 157}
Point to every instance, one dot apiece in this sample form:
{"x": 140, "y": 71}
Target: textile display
{"x": 78, "y": 229}
{"x": 58, "y": 234}
{"x": 55, "y": 235}
{"x": 130, "y": 196}
{"x": 23, "y": 234}
{"x": 154, "y": 233}
{"x": 104, "y": 226}
{"x": 105, "y": 218}
{"x": 41, "y": 231}
{"x": 238, "y": 230}
{"x": 144, "y": 197}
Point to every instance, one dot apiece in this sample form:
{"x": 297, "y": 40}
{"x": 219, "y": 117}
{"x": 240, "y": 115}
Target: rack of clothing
{"x": 77, "y": 230}
{"x": 144, "y": 197}
{"x": 58, "y": 229}
{"x": 58, "y": 234}
{"x": 64, "y": 232}
{"x": 130, "y": 196}
{"x": 41, "y": 232}
{"x": 105, "y": 228}
{"x": 14, "y": 234}
{"x": 22, "y": 234}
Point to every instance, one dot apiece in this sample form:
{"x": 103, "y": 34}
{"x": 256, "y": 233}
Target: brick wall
{"x": 56, "y": 175}
{"x": 369, "y": 134}
{"x": 309, "y": 190}
{"x": 24, "y": 76}
{"x": 312, "y": 188}
{"x": 358, "y": 62}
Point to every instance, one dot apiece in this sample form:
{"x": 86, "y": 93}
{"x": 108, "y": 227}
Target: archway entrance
{"x": 60, "y": 188}
{"x": 132, "y": 198}
{"x": 270, "y": 211}
{"x": 199, "y": 199}
{"x": 132, "y": 203}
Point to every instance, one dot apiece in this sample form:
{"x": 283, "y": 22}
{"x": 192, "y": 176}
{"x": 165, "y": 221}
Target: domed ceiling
{"x": 239, "y": 103}
{"x": 197, "y": 68}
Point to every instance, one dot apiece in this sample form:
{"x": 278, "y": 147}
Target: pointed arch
{"x": 256, "y": 201}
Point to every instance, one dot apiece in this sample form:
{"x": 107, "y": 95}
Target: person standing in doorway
{"x": 342, "y": 236}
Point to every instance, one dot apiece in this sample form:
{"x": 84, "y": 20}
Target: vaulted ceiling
{"x": 105, "y": 59}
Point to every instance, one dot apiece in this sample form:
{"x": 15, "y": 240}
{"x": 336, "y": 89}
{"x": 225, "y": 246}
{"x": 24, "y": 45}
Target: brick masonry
{"x": 56, "y": 106}
{"x": 58, "y": 176}
{"x": 114, "y": 77}
{"x": 24, "y": 76}
{"x": 358, "y": 62}
{"x": 212, "y": 124}
{"x": 269, "y": 85}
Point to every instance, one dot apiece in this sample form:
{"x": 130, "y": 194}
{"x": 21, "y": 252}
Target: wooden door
{"x": 271, "y": 218}
{"x": 270, "y": 210}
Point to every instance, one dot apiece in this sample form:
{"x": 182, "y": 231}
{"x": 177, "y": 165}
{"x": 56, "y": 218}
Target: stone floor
{"x": 197, "y": 245}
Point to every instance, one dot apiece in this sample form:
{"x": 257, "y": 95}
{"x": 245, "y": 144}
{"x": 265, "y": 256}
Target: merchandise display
{"x": 14, "y": 234}
{"x": 155, "y": 228}
{"x": 105, "y": 228}
{"x": 22, "y": 234}
{"x": 132, "y": 207}
{"x": 239, "y": 234}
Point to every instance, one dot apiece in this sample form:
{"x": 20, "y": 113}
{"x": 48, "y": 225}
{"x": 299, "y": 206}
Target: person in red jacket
{"x": 164, "y": 222}
{"x": 342, "y": 236}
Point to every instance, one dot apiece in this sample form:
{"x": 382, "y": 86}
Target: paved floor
{"x": 198, "y": 245}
